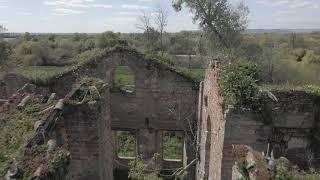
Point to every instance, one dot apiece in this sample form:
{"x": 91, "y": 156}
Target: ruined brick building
{"x": 166, "y": 100}
{"x": 294, "y": 133}
{"x": 162, "y": 100}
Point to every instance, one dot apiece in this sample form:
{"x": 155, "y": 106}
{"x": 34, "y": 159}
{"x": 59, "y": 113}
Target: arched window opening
{"x": 172, "y": 145}
{"x": 123, "y": 79}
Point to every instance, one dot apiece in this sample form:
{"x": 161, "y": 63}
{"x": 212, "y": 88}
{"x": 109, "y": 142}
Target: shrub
{"x": 107, "y": 39}
{"x": 139, "y": 170}
{"x": 240, "y": 85}
{"x": 299, "y": 54}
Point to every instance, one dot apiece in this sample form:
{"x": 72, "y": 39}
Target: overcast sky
{"x": 121, "y": 15}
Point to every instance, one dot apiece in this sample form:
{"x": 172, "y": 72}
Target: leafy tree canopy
{"x": 219, "y": 18}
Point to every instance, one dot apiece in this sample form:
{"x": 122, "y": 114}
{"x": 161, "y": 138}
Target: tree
{"x": 27, "y": 36}
{"x": 161, "y": 21}
{"x": 2, "y": 29}
{"x": 5, "y": 48}
{"x": 145, "y": 25}
{"x": 219, "y": 18}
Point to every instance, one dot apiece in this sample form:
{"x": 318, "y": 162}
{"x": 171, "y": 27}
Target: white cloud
{"x": 293, "y": 4}
{"x": 4, "y": 22}
{"x": 128, "y": 13}
{"x": 68, "y": 3}
{"x": 283, "y": 13}
{"x": 3, "y": 7}
{"x": 64, "y": 11}
{"x": 67, "y": 7}
{"x": 133, "y": 6}
{"x": 24, "y": 13}
{"x": 101, "y": 6}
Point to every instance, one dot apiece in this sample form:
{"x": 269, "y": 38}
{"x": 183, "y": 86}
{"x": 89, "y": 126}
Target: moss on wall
{"x": 44, "y": 75}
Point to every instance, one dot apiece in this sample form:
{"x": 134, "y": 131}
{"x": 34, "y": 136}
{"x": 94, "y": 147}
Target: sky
{"x": 93, "y": 16}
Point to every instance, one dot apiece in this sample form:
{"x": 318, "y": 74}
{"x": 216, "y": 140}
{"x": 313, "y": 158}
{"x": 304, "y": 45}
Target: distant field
{"x": 192, "y": 61}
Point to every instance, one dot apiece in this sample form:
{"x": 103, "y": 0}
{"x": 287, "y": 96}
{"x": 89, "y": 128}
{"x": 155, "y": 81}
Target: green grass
{"x": 16, "y": 127}
{"x": 312, "y": 89}
{"x": 42, "y": 74}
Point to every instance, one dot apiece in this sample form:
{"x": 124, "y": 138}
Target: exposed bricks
{"x": 296, "y": 114}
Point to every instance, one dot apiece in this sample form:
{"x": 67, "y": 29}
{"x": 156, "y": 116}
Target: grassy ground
{"x": 16, "y": 127}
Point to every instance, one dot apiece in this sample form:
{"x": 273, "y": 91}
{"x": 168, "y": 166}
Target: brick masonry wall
{"x": 211, "y": 126}
{"x": 296, "y": 119}
{"x": 242, "y": 128}
{"x": 86, "y": 132}
{"x": 164, "y": 99}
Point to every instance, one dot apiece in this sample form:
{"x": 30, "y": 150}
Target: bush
{"x": 139, "y": 170}
{"x": 240, "y": 86}
{"x": 299, "y": 54}
{"x": 107, "y": 39}
{"x": 5, "y": 50}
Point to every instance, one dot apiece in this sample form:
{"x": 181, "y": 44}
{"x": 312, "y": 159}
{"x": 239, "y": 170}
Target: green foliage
{"x": 219, "y": 19}
{"x": 123, "y": 79}
{"x": 283, "y": 174}
{"x": 5, "y": 50}
{"x": 89, "y": 90}
{"x": 42, "y": 75}
{"x": 27, "y": 36}
{"x": 126, "y": 144}
{"x": 312, "y": 89}
{"x": 141, "y": 170}
{"x": 240, "y": 87}
{"x": 58, "y": 165}
{"x": 312, "y": 176}
{"x": 16, "y": 127}
{"x": 172, "y": 146}
{"x": 160, "y": 58}
{"x": 182, "y": 43}
{"x": 299, "y": 54}
{"x": 107, "y": 39}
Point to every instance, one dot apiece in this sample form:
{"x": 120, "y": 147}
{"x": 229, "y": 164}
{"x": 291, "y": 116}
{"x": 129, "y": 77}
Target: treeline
{"x": 292, "y": 58}
{"x": 52, "y": 50}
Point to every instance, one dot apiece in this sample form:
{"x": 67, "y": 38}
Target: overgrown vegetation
{"x": 126, "y": 146}
{"x": 89, "y": 90}
{"x": 311, "y": 89}
{"x": 16, "y": 127}
{"x": 172, "y": 145}
{"x": 241, "y": 88}
{"x": 141, "y": 170}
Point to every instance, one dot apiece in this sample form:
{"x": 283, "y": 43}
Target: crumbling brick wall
{"x": 162, "y": 100}
{"x": 211, "y": 125}
{"x": 86, "y": 132}
{"x": 292, "y": 135}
